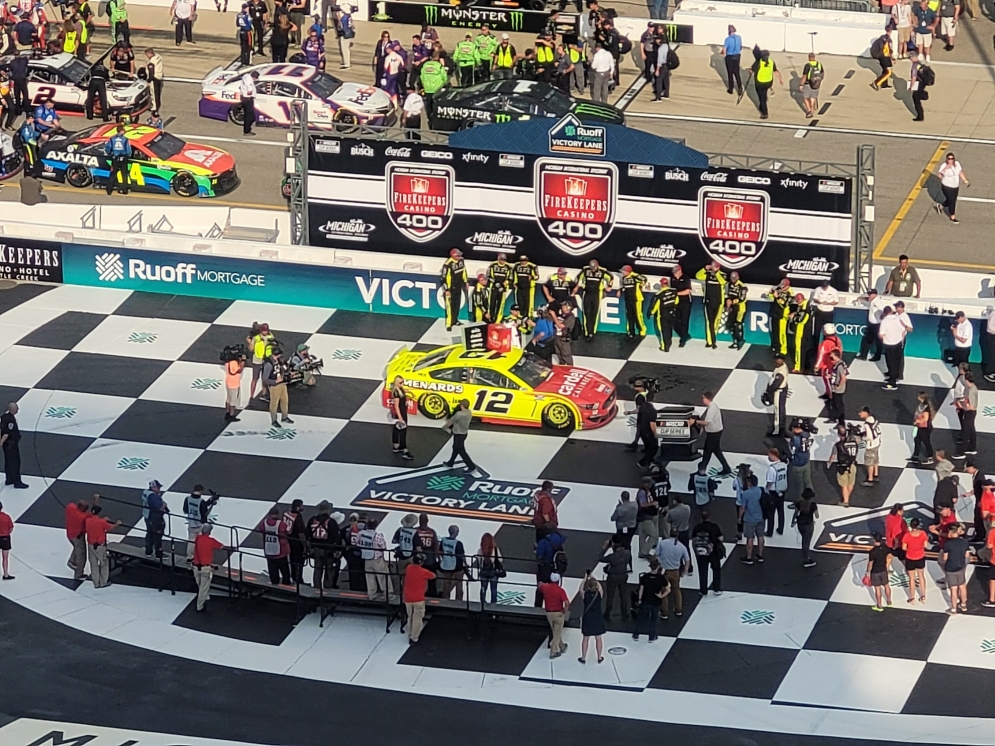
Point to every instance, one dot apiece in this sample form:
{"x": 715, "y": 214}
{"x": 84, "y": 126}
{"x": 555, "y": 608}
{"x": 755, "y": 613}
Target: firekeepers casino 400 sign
{"x": 425, "y": 199}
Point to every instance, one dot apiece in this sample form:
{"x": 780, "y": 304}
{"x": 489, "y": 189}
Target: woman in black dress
{"x": 592, "y": 621}
{"x": 380, "y": 52}
{"x": 398, "y": 405}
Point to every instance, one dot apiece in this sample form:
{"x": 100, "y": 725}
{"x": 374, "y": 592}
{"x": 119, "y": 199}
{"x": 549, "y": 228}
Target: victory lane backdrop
{"x": 424, "y": 200}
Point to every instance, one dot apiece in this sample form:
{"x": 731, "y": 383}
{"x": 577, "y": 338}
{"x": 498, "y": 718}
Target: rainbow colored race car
{"x": 160, "y": 162}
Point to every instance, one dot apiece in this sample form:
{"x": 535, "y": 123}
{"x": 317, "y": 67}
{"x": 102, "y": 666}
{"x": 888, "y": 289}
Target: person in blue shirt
{"x": 243, "y": 23}
{"x": 800, "y": 464}
{"x": 118, "y": 150}
{"x": 751, "y": 513}
{"x": 46, "y": 117}
{"x": 29, "y": 144}
{"x": 542, "y": 338}
{"x": 732, "y": 50}
{"x": 314, "y": 48}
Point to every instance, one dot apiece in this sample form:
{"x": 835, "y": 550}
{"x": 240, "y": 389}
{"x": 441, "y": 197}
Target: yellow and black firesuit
{"x": 499, "y": 274}
{"x": 593, "y": 281}
{"x": 632, "y": 298}
{"x": 713, "y": 282}
{"x": 736, "y": 293}
{"x": 662, "y": 310}
{"x": 480, "y": 300}
{"x": 800, "y": 334}
{"x": 526, "y": 276}
{"x": 780, "y": 309}
{"x": 454, "y": 282}
{"x": 559, "y": 289}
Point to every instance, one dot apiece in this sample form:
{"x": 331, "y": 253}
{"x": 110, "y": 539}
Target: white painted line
{"x": 238, "y": 140}
{"x": 195, "y": 81}
{"x": 800, "y": 134}
{"x": 630, "y": 93}
{"x": 976, "y": 199}
{"x": 820, "y": 128}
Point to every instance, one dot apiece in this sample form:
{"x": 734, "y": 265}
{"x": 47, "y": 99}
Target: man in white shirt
{"x": 892, "y": 336}
{"x": 875, "y": 305}
{"x": 711, "y": 420}
{"x": 963, "y": 332}
{"x": 988, "y": 350}
{"x": 871, "y": 436}
{"x": 675, "y": 561}
{"x": 183, "y": 11}
{"x": 247, "y": 94}
{"x": 777, "y": 487}
{"x": 825, "y": 299}
{"x": 603, "y": 70}
{"x": 411, "y": 113}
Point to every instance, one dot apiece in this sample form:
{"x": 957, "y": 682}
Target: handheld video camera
{"x": 652, "y": 385}
{"x": 805, "y": 424}
{"x": 233, "y": 352}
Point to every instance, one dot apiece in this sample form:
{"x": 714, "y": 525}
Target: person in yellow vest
{"x": 545, "y": 59}
{"x": 764, "y": 71}
{"x": 261, "y": 344}
{"x": 70, "y": 35}
{"x": 503, "y": 60}
{"x": 578, "y": 59}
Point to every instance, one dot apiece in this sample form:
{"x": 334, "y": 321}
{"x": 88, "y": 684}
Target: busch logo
{"x": 716, "y": 178}
{"x": 732, "y": 224}
{"x": 398, "y": 152}
{"x": 420, "y": 199}
{"x": 362, "y": 149}
{"x": 657, "y": 256}
{"x": 575, "y": 202}
{"x": 676, "y": 174}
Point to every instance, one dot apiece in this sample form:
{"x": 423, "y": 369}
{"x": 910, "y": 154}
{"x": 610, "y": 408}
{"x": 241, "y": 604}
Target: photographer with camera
{"x": 776, "y": 396}
{"x": 871, "y": 436}
{"x": 275, "y": 376}
{"x": 844, "y": 455}
{"x": 799, "y": 463}
{"x": 304, "y": 366}
{"x": 233, "y": 384}
{"x": 197, "y": 509}
{"x": 777, "y": 487}
{"x": 836, "y": 388}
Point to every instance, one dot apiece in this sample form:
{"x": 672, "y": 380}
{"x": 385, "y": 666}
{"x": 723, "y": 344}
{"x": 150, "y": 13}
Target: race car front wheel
{"x": 558, "y": 416}
{"x": 236, "y": 115}
{"x": 346, "y": 122}
{"x": 185, "y": 185}
{"x": 79, "y": 176}
{"x": 433, "y": 406}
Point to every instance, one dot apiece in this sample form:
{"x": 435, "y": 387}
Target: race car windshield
{"x": 556, "y": 102}
{"x": 323, "y": 86}
{"x": 165, "y": 146}
{"x": 532, "y": 370}
{"x": 75, "y": 70}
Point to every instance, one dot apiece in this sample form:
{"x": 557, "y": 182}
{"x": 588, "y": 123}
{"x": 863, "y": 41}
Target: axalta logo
{"x": 348, "y": 230}
{"x": 362, "y": 149}
{"x": 664, "y": 255}
{"x": 398, "y": 152}
{"x": 438, "y": 155}
{"x": 80, "y": 158}
{"x": 110, "y": 267}
{"x": 676, "y": 174}
{"x": 796, "y": 183}
{"x": 499, "y": 240}
{"x": 475, "y": 158}
{"x": 816, "y": 267}
{"x": 715, "y": 178}
{"x": 757, "y": 180}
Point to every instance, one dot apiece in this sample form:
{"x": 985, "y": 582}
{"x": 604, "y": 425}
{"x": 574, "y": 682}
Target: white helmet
{"x": 829, "y": 329}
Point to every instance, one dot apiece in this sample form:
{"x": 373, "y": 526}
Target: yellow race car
{"x": 512, "y": 388}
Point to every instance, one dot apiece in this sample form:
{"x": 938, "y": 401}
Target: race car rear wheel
{"x": 79, "y": 176}
{"x": 236, "y": 115}
{"x": 185, "y": 185}
{"x": 558, "y": 416}
{"x": 433, "y": 406}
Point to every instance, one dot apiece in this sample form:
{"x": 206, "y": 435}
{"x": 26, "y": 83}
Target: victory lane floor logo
{"x": 757, "y": 617}
{"x": 853, "y": 533}
{"x": 441, "y": 490}
{"x": 60, "y": 413}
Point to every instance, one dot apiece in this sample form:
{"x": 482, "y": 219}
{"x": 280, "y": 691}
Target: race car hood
{"x": 579, "y": 384}
{"x": 202, "y": 156}
{"x": 124, "y": 90}
{"x": 358, "y": 97}
{"x": 218, "y": 77}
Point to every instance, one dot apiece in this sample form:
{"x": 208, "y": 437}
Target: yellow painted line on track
{"x": 178, "y": 201}
{"x": 896, "y": 221}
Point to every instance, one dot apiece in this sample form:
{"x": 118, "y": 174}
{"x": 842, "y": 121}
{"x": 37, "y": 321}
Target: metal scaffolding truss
{"x": 297, "y": 168}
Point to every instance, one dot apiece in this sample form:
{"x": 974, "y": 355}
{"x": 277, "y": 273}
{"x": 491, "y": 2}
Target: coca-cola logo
{"x": 575, "y": 202}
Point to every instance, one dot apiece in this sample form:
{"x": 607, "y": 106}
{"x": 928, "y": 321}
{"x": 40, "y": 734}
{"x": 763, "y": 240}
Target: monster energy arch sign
{"x": 454, "y": 16}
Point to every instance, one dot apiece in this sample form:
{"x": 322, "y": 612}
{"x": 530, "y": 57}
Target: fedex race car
{"x": 514, "y": 388}
{"x": 159, "y": 162}
{"x": 63, "y": 79}
{"x": 330, "y": 101}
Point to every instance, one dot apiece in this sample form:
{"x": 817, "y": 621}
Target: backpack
{"x": 877, "y": 48}
{"x": 701, "y": 545}
{"x": 815, "y": 77}
{"x": 624, "y": 45}
{"x": 767, "y": 504}
{"x": 926, "y": 75}
{"x": 673, "y": 61}
{"x": 560, "y": 562}
{"x": 576, "y": 332}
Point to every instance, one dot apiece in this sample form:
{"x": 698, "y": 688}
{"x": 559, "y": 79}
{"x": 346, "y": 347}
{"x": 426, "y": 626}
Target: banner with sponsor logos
{"x": 462, "y": 16}
{"x": 567, "y": 208}
{"x": 28, "y": 260}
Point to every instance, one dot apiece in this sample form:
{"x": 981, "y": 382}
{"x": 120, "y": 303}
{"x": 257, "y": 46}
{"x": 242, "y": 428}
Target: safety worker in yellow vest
{"x": 503, "y": 60}
{"x": 631, "y": 289}
{"x": 800, "y": 336}
{"x": 713, "y": 282}
{"x": 579, "y": 60}
{"x": 526, "y": 276}
{"x": 764, "y": 70}
{"x": 454, "y": 287}
{"x": 262, "y": 344}
{"x": 545, "y": 59}
{"x": 736, "y": 294}
{"x": 780, "y": 309}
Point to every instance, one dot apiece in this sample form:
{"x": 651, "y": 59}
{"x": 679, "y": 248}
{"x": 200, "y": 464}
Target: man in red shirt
{"x": 544, "y": 511}
{"x": 6, "y": 528}
{"x": 76, "y": 515}
{"x": 96, "y": 539}
{"x": 556, "y": 603}
{"x": 203, "y": 555}
{"x": 416, "y": 580}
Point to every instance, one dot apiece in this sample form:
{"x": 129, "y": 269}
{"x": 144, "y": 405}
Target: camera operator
{"x": 275, "y": 375}
{"x": 871, "y": 436}
{"x": 777, "y": 487}
{"x": 844, "y": 455}
{"x": 302, "y": 362}
{"x": 640, "y": 398}
{"x": 776, "y": 396}
{"x": 836, "y": 388}
{"x": 233, "y": 387}
{"x": 197, "y": 509}
{"x": 542, "y": 343}
{"x": 566, "y": 329}
{"x": 800, "y": 464}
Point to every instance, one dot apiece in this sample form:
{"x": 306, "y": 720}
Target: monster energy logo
{"x": 499, "y": 118}
{"x": 671, "y": 30}
{"x": 513, "y": 20}
{"x": 517, "y": 20}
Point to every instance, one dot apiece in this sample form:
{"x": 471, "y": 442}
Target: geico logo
{"x": 80, "y": 158}
{"x": 759, "y": 180}
{"x": 439, "y": 155}
{"x": 447, "y": 388}
{"x": 182, "y": 272}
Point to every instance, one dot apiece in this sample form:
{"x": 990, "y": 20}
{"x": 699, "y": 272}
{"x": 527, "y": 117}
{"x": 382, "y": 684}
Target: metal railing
{"x": 851, "y": 6}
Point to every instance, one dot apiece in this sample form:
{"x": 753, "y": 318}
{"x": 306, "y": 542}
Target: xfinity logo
{"x": 499, "y": 241}
{"x": 716, "y": 178}
{"x": 758, "y": 180}
{"x": 475, "y": 158}
{"x": 797, "y": 183}
{"x": 665, "y": 255}
{"x": 398, "y": 152}
{"x": 675, "y": 174}
{"x": 362, "y": 149}
{"x": 438, "y": 155}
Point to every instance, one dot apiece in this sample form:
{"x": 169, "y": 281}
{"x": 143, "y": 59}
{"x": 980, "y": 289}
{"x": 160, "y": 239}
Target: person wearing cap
{"x": 780, "y": 310}
{"x": 520, "y": 326}
{"x": 713, "y": 282}
{"x": 559, "y": 288}
{"x": 262, "y": 343}
{"x": 465, "y": 57}
{"x": 154, "y": 511}
{"x": 566, "y": 324}
{"x": 799, "y": 334}
{"x": 663, "y": 310}
{"x": 203, "y": 564}
{"x": 681, "y": 284}
{"x": 324, "y": 542}
{"x": 823, "y": 361}
{"x": 404, "y": 545}
{"x": 836, "y": 387}
{"x": 243, "y": 24}
{"x": 454, "y": 283}
{"x": 503, "y": 59}
{"x": 764, "y": 70}
{"x": 776, "y": 396}
{"x": 653, "y": 588}
{"x": 871, "y": 341}
{"x": 735, "y": 302}
{"x": 499, "y": 274}
{"x": 631, "y": 289}
{"x": 480, "y": 300}
{"x": 963, "y": 333}
{"x": 526, "y": 275}
{"x": 545, "y": 57}
{"x": 556, "y": 604}
{"x": 276, "y": 381}
{"x": 593, "y": 281}
{"x": 485, "y": 44}
{"x": 825, "y": 299}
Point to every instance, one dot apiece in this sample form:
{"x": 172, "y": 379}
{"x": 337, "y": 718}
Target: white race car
{"x": 331, "y": 102}
{"x": 63, "y": 78}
